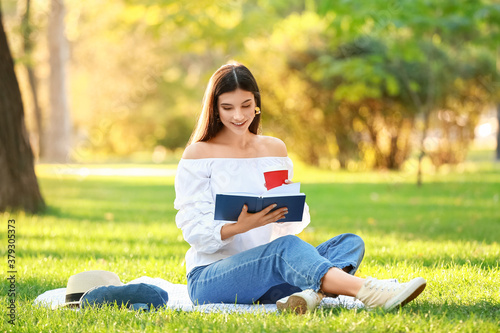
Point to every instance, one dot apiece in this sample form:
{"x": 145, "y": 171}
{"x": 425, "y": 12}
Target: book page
{"x": 288, "y": 189}
{"x": 242, "y": 194}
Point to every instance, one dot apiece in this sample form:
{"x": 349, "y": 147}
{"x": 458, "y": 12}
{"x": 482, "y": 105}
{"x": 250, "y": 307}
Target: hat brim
{"x": 69, "y": 305}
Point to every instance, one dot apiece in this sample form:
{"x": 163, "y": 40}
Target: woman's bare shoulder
{"x": 197, "y": 150}
{"x": 274, "y": 146}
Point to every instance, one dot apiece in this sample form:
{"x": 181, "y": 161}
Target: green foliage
{"x": 445, "y": 231}
{"x": 369, "y": 71}
{"x": 139, "y": 69}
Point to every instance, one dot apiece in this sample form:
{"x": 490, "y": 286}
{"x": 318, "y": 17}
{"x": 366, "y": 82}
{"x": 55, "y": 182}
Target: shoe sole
{"x": 415, "y": 288}
{"x": 294, "y": 303}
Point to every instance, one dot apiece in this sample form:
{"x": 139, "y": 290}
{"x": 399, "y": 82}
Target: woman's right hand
{"x": 248, "y": 221}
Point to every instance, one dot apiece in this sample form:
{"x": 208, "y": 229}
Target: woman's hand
{"x": 248, "y": 221}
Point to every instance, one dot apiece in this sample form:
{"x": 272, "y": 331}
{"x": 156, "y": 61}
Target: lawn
{"x": 446, "y": 231}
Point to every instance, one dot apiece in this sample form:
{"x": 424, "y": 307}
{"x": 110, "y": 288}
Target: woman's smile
{"x": 239, "y": 124}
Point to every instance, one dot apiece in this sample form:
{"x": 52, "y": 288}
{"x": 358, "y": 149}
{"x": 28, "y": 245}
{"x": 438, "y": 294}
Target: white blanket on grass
{"x": 178, "y": 299}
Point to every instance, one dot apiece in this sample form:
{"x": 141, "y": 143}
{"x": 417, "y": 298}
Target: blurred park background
{"x": 346, "y": 84}
{"x": 354, "y": 85}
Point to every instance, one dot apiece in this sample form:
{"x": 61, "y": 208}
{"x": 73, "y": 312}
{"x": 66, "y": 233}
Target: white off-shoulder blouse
{"x": 198, "y": 181}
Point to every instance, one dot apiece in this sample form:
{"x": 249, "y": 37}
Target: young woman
{"x": 257, "y": 258}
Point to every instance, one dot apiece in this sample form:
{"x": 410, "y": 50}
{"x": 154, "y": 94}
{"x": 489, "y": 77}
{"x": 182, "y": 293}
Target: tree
{"x": 18, "y": 183}
{"x": 58, "y": 143}
{"x": 28, "y": 45}
{"x": 422, "y": 44}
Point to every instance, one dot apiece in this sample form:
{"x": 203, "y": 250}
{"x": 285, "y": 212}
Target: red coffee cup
{"x": 275, "y": 177}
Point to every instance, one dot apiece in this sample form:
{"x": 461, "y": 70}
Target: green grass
{"x": 447, "y": 231}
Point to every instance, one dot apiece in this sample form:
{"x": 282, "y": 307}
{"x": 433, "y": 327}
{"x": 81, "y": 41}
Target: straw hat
{"x": 79, "y": 283}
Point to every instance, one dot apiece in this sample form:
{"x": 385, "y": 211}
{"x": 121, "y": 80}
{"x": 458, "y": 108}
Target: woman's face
{"x": 237, "y": 110}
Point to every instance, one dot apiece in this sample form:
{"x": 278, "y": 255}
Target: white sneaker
{"x": 301, "y": 302}
{"x": 387, "y": 294}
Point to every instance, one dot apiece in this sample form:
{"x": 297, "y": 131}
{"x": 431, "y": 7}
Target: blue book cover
{"x": 228, "y": 205}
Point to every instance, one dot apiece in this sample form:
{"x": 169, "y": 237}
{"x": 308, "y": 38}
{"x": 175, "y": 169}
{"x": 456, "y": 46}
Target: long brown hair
{"x": 226, "y": 79}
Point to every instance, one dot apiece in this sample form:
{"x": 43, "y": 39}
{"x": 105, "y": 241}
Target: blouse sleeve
{"x": 195, "y": 204}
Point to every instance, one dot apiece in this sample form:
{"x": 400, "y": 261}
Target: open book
{"x": 228, "y": 205}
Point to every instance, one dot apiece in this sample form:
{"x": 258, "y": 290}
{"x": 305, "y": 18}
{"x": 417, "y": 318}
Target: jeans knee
{"x": 287, "y": 239}
{"x": 289, "y": 245}
{"x": 356, "y": 241}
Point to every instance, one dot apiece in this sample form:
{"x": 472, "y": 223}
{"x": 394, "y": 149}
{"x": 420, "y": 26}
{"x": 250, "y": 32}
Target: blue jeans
{"x": 269, "y": 272}
{"x": 140, "y": 296}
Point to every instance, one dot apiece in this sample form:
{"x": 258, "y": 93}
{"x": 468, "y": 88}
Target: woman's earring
{"x": 257, "y": 110}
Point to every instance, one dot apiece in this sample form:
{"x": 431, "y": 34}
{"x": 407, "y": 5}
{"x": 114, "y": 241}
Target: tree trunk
{"x": 18, "y": 183}
{"x": 40, "y": 149}
{"x": 28, "y": 50}
{"x": 58, "y": 143}
{"x": 421, "y": 156}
